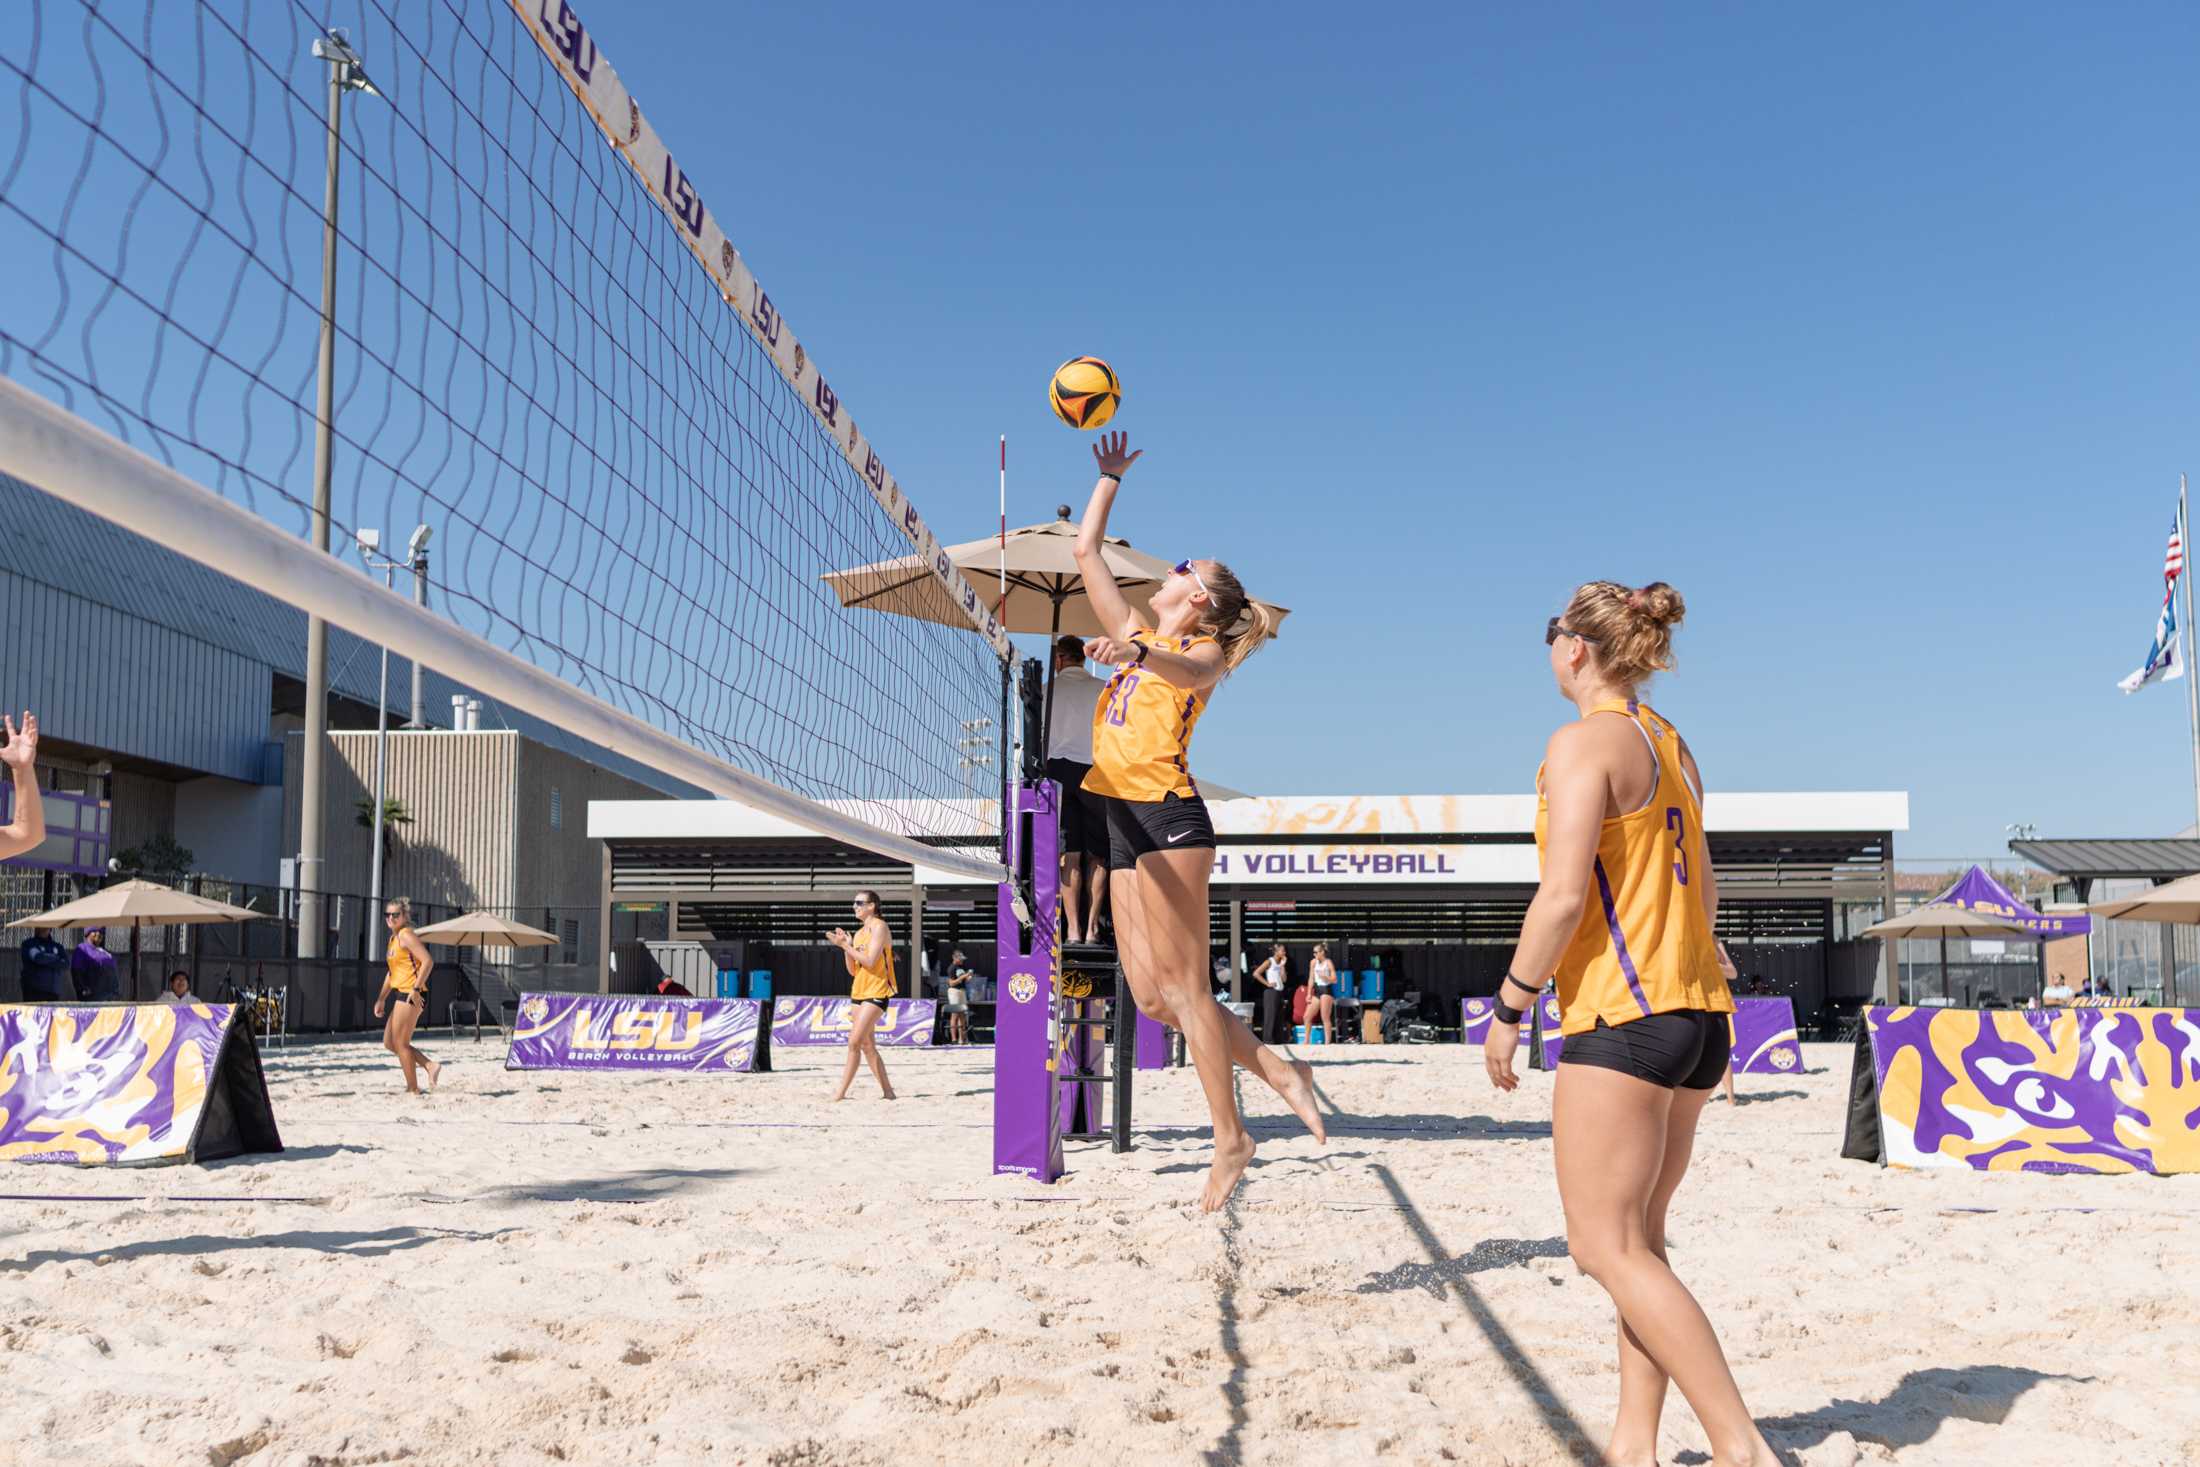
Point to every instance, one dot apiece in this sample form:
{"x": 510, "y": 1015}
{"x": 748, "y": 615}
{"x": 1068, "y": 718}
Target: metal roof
{"x": 58, "y": 545}
{"x": 2103, "y": 858}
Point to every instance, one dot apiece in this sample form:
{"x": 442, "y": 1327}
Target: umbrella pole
{"x": 1046, "y": 722}
{"x": 1945, "y": 991}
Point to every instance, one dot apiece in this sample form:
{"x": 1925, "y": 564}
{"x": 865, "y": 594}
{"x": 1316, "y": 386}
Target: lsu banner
{"x": 1765, "y": 1041}
{"x": 633, "y": 1031}
{"x": 818, "y": 1020}
{"x": 1475, "y": 1015}
{"x": 1548, "y": 1041}
{"x": 130, "y": 1084}
{"x": 2069, "y": 1090}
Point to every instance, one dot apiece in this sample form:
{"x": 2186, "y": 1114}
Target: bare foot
{"x": 435, "y": 1073}
{"x": 888, "y": 1095}
{"x": 1231, "y": 1160}
{"x": 1298, "y": 1093}
{"x": 843, "y": 1095}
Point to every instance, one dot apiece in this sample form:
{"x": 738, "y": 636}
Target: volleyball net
{"x": 544, "y": 349}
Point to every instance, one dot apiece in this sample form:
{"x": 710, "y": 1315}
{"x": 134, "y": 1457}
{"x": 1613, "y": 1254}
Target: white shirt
{"x": 168, "y": 995}
{"x": 1076, "y": 696}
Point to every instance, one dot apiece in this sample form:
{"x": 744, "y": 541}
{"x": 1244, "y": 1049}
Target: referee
{"x": 1069, "y": 760}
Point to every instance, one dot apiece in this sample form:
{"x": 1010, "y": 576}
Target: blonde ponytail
{"x": 1237, "y": 621}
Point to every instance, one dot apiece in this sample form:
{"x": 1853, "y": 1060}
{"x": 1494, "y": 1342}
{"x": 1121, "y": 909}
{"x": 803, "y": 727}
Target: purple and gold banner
{"x": 637, "y": 1031}
{"x": 1765, "y": 1041}
{"x": 1548, "y": 1040}
{"x": 2072, "y": 1090}
{"x": 128, "y": 1084}
{"x": 1475, "y": 1015}
{"x": 815, "y": 1020}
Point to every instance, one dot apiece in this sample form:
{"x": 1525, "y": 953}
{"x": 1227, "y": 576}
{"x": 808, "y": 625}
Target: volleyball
{"x": 1085, "y": 391}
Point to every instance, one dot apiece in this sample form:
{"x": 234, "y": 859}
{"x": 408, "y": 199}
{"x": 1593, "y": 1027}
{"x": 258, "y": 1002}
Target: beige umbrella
{"x": 2177, "y": 902}
{"x": 138, "y": 904}
{"x": 1046, "y": 593}
{"x": 485, "y": 929}
{"x": 1936, "y": 919}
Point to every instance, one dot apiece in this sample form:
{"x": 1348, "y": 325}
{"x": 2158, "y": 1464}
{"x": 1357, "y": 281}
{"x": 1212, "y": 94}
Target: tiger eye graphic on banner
{"x": 130, "y": 1083}
{"x": 2058, "y": 1090}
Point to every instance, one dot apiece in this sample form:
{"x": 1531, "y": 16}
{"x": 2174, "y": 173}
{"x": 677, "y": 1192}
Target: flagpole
{"x": 2192, "y": 678}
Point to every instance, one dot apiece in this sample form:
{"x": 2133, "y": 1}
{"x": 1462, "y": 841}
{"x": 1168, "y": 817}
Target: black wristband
{"x": 1504, "y": 1014}
{"x": 1140, "y": 659}
{"x": 1117, "y": 477}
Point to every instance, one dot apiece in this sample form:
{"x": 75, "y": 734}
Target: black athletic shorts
{"x": 1684, "y": 1050}
{"x": 1171, "y": 823}
{"x": 1084, "y": 814}
{"x": 879, "y": 1001}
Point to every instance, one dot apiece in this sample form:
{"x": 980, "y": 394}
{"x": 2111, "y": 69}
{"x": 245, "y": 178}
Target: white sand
{"x": 606, "y": 1269}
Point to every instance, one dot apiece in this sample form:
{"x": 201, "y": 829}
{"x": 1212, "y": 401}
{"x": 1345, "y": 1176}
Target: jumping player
{"x": 869, "y": 954}
{"x": 1623, "y": 917}
{"x": 1161, "y": 844}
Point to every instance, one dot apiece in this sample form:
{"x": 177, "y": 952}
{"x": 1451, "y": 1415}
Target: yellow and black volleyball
{"x": 1085, "y": 391}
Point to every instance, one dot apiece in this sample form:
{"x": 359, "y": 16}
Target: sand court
{"x": 620, "y": 1268}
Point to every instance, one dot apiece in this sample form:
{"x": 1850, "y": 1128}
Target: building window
{"x": 572, "y": 931}
{"x": 557, "y": 809}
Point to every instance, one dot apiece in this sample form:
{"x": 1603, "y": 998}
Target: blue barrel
{"x": 760, "y": 983}
{"x": 1371, "y": 986}
{"x": 1344, "y": 984}
{"x": 729, "y": 983}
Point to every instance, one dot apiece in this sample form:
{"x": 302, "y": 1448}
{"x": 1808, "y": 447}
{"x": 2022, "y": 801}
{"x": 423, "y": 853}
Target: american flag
{"x": 2165, "y": 658}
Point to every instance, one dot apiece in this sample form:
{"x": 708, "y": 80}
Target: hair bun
{"x": 1659, "y": 603}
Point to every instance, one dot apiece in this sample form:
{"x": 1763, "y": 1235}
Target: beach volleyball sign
{"x": 640, "y": 1031}
{"x": 821, "y": 1020}
{"x": 1765, "y": 1041}
{"x": 2006, "y": 1090}
{"x": 130, "y": 1084}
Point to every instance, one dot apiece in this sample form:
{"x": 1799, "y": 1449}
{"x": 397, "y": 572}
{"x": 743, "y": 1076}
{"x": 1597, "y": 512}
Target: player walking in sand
{"x": 869, "y": 954}
{"x": 404, "y": 996}
{"x": 1623, "y": 917}
{"x": 1161, "y": 844}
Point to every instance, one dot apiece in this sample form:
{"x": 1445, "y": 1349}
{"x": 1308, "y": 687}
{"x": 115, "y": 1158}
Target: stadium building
{"x": 1430, "y": 888}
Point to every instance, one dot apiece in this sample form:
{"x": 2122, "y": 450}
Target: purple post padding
{"x": 2068, "y": 1090}
{"x": 1475, "y": 1016}
{"x": 1027, "y": 1122}
{"x": 1548, "y": 1016}
{"x": 1765, "y": 1041}
{"x": 1153, "y": 1043}
{"x": 113, "y": 1083}
{"x": 827, "y": 1020}
{"x": 633, "y": 1031}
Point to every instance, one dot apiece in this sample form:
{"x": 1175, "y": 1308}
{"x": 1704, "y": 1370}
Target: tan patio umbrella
{"x": 2177, "y": 902}
{"x": 138, "y": 904}
{"x": 485, "y": 929}
{"x": 1936, "y": 919}
{"x": 1045, "y": 591}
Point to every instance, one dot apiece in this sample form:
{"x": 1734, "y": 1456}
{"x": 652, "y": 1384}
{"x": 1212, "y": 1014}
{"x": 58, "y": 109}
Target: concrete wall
{"x": 459, "y": 790}
{"x": 232, "y": 829}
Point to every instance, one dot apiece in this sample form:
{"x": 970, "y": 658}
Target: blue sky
{"x": 1868, "y": 328}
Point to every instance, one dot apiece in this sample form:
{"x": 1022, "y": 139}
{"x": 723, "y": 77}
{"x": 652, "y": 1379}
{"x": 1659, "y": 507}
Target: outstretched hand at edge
{"x": 1113, "y": 453}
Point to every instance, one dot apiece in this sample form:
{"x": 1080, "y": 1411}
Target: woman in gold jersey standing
{"x": 1161, "y": 844}
{"x": 404, "y": 995}
{"x": 1623, "y": 919}
{"x": 869, "y": 954}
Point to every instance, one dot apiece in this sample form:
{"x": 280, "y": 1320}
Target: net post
{"x": 1027, "y": 1118}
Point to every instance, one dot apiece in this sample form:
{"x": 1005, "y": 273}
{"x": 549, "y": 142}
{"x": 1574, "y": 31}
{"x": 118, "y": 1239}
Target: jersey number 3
{"x": 1675, "y": 822}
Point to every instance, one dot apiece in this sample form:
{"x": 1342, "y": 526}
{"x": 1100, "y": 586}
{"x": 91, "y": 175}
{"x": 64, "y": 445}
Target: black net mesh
{"x": 623, "y": 489}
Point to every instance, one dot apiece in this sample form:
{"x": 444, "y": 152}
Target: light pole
{"x": 974, "y": 750}
{"x": 344, "y": 76}
{"x": 370, "y": 551}
{"x": 416, "y": 551}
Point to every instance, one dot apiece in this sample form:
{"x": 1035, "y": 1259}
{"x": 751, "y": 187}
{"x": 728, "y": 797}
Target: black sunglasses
{"x": 1552, "y": 631}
